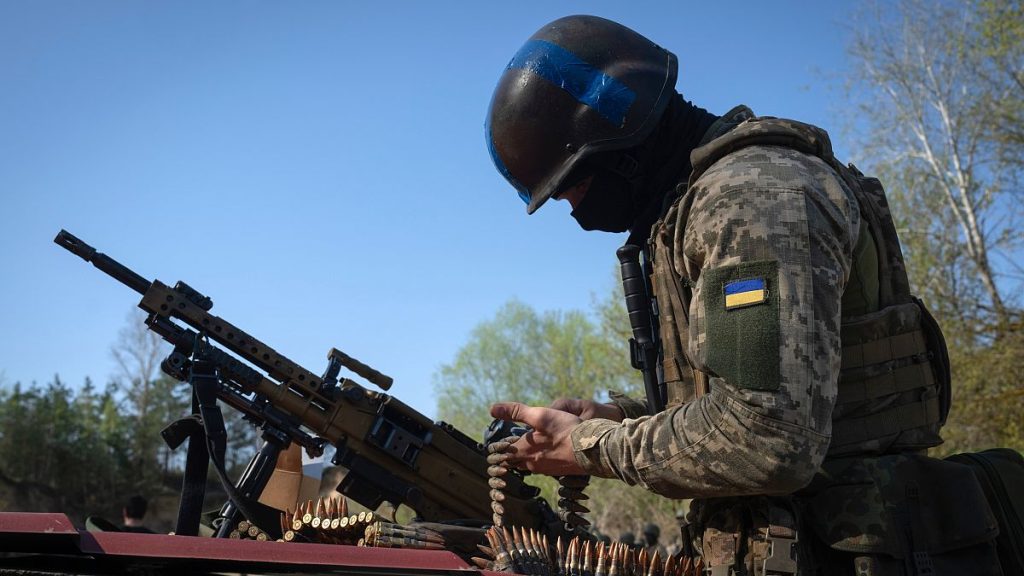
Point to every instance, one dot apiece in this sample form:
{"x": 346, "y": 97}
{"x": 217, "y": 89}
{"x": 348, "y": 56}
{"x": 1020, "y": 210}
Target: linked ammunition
{"x": 655, "y": 565}
{"x": 615, "y": 566}
{"x": 244, "y": 526}
{"x": 572, "y": 519}
{"x": 234, "y": 534}
{"x": 572, "y": 493}
{"x": 307, "y": 515}
{"x": 586, "y": 565}
{"x": 573, "y": 567}
{"x": 601, "y": 568}
{"x": 572, "y": 506}
{"x": 502, "y": 559}
{"x": 560, "y": 553}
{"x": 400, "y": 542}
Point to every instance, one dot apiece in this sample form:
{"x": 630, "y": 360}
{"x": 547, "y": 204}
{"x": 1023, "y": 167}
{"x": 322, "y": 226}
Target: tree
{"x": 930, "y": 86}
{"x": 55, "y": 454}
{"x": 155, "y": 399}
{"x": 536, "y": 357}
{"x": 941, "y": 86}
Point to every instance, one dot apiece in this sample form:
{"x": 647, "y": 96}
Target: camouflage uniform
{"x": 789, "y": 335}
{"x": 764, "y": 425}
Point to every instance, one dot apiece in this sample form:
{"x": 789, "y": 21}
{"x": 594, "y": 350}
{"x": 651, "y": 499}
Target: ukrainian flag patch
{"x": 740, "y": 293}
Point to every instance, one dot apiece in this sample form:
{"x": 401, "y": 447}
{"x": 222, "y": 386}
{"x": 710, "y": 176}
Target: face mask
{"x": 608, "y": 204}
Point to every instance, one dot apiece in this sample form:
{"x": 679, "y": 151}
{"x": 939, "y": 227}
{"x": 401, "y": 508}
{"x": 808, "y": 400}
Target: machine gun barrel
{"x": 112, "y": 267}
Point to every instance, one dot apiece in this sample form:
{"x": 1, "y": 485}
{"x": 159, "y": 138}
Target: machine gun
{"x": 392, "y": 452}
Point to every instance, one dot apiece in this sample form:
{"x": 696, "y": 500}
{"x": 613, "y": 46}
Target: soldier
{"x": 651, "y": 534}
{"x": 133, "y": 514}
{"x": 627, "y": 538}
{"x": 762, "y": 247}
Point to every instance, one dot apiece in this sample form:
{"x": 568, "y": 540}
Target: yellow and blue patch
{"x": 740, "y": 293}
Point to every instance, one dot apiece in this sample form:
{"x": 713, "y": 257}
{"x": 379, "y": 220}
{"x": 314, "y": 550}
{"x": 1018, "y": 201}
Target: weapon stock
{"x": 391, "y": 451}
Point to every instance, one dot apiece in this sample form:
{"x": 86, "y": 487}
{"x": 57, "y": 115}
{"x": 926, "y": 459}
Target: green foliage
{"x": 535, "y": 357}
{"x": 84, "y": 451}
{"x": 529, "y": 357}
{"x": 988, "y": 399}
{"x": 62, "y": 450}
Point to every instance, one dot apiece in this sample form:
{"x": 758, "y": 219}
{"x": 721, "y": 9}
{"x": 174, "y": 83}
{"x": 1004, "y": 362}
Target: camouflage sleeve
{"x": 767, "y": 247}
{"x": 631, "y": 407}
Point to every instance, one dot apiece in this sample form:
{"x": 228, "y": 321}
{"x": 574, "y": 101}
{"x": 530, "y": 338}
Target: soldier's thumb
{"x": 514, "y": 411}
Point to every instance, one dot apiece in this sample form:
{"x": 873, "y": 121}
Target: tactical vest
{"x": 893, "y": 393}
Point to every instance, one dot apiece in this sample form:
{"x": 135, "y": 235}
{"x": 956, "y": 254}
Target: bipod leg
{"x": 250, "y": 486}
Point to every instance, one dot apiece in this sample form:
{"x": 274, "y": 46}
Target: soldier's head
{"x": 573, "y": 114}
{"x": 651, "y": 533}
{"x": 627, "y": 538}
{"x": 135, "y": 509}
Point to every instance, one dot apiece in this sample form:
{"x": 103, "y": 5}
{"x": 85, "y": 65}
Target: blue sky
{"x": 319, "y": 168}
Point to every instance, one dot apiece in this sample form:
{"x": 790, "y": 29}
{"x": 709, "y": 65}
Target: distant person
{"x": 134, "y": 512}
{"x": 651, "y": 534}
{"x": 627, "y": 538}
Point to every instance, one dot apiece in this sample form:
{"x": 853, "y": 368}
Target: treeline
{"x": 84, "y": 450}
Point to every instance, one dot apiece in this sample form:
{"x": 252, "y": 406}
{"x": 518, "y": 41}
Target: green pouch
{"x": 902, "y": 515}
{"x": 1001, "y": 474}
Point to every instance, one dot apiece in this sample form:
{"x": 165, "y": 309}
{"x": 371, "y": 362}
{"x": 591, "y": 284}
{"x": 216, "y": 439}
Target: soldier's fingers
{"x": 509, "y": 411}
{"x": 500, "y": 446}
{"x": 498, "y": 458}
{"x": 570, "y": 405}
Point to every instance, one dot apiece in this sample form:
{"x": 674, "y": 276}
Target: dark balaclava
{"x": 629, "y": 187}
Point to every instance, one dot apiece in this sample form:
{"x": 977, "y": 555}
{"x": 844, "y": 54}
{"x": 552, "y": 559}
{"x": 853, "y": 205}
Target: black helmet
{"x": 652, "y": 529}
{"x": 580, "y": 86}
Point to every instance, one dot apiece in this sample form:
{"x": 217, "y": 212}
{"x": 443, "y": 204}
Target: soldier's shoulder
{"x": 766, "y": 153}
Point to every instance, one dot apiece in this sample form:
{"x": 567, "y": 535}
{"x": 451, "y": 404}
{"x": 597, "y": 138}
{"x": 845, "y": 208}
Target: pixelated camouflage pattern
{"x": 883, "y": 501}
{"x": 757, "y": 203}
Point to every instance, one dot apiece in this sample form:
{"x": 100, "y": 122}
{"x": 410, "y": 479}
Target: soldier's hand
{"x": 548, "y": 448}
{"x": 587, "y": 409}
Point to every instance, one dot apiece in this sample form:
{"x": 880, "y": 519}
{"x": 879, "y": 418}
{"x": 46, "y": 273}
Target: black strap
{"x": 193, "y": 485}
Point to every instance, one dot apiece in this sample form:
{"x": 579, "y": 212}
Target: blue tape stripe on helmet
{"x": 524, "y": 194}
{"x": 588, "y": 85}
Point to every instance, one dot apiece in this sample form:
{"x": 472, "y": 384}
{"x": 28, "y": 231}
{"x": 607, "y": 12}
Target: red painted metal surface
{"x": 52, "y": 542}
{"x": 194, "y": 548}
{"x": 33, "y": 523}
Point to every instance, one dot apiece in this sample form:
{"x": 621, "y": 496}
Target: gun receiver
{"x": 391, "y": 451}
